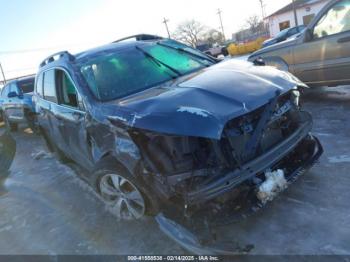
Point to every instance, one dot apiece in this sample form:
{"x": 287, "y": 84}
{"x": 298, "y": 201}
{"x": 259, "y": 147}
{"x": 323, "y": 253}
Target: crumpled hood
{"x": 200, "y": 105}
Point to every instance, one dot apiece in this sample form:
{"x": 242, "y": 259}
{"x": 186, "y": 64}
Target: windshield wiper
{"x": 157, "y": 61}
{"x": 180, "y": 49}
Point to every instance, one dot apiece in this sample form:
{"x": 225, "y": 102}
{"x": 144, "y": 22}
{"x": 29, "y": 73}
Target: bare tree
{"x": 190, "y": 32}
{"x": 213, "y": 36}
{"x": 254, "y": 23}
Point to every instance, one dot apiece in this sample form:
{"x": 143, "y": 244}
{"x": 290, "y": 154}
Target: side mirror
{"x": 259, "y": 62}
{"x": 308, "y": 36}
{"x": 12, "y": 95}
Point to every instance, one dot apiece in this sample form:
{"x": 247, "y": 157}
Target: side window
{"x": 336, "y": 20}
{"x": 67, "y": 94}
{"x": 39, "y": 85}
{"x": 49, "y": 86}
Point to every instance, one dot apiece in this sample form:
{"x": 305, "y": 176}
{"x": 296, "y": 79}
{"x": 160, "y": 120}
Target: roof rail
{"x": 140, "y": 37}
{"x": 51, "y": 58}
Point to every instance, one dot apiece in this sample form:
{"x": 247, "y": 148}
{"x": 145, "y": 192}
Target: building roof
{"x": 298, "y": 4}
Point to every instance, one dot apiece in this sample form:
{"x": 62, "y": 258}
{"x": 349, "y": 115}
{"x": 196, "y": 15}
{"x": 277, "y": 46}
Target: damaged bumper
{"x": 196, "y": 245}
{"x": 261, "y": 164}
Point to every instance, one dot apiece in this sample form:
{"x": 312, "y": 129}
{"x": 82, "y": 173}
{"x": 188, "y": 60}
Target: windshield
{"x": 118, "y": 74}
{"x": 26, "y": 86}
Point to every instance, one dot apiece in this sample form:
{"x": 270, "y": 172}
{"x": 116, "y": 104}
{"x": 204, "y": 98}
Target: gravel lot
{"x": 46, "y": 209}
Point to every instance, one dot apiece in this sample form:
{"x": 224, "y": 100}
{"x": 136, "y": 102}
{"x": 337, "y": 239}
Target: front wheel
{"x": 124, "y": 198}
{"x": 124, "y": 195}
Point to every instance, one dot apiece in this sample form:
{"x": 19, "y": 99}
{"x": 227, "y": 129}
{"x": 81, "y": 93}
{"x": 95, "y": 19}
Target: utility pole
{"x": 3, "y": 74}
{"x": 295, "y": 13}
{"x": 222, "y": 27}
{"x": 165, "y": 22}
{"x": 262, "y": 9}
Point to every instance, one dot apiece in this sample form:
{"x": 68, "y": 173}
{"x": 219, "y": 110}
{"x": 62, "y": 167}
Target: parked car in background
{"x": 162, "y": 127}
{"x": 214, "y": 51}
{"x": 16, "y": 102}
{"x": 320, "y": 56}
{"x": 283, "y": 35}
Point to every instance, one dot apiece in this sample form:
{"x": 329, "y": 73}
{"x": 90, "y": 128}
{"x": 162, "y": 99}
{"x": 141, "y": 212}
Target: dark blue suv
{"x": 161, "y": 126}
{"x": 16, "y": 102}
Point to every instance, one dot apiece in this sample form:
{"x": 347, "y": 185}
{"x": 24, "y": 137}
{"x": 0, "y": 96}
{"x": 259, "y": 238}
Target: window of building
{"x": 284, "y": 25}
{"x": 49, "y": 86}
{"x": 308, "y": 18}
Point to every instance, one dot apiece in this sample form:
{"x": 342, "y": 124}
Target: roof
{"x": 297, "y": 3}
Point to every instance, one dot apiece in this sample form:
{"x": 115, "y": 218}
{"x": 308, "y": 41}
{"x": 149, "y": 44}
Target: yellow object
{"x": 241, "y": 49}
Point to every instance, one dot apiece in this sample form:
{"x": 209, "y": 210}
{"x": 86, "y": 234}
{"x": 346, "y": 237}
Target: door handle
{"x": 344, "y": 39}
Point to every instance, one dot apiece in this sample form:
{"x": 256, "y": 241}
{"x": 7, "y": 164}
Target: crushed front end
{"x": 207, "y": 182}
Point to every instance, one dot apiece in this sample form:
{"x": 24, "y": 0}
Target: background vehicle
{"x": 16, "y": 102}
{"x": 283, "y": 35}
{"x": 213, "y": 51}
{"x": 320, "y": 56}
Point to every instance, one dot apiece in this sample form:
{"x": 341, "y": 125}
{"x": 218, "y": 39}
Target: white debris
{"x": 194, "y": 110}
{"x": 275, "y": 182}
{"x": 118, "y": 118}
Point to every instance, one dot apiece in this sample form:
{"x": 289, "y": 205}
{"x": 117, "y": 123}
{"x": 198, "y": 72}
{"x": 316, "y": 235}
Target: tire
{"x": 7, "y": 152}
{"x": 11, "y": 127}
{"x": 106, "y": 175}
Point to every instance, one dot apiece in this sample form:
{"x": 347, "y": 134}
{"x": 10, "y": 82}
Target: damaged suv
{"x": 162, "y": 127}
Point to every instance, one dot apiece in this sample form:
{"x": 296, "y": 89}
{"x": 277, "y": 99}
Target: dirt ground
{"x": 46, "y": 209}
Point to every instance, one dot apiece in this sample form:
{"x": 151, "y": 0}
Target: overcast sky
{"x": 49, "y": 26}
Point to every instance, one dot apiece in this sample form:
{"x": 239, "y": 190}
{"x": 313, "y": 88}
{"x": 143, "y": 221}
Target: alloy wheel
{"x": 122, "y": 196}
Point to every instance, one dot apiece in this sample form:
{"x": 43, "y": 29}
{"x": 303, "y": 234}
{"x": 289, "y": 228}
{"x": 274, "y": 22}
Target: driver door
{"x": 325, "y": 58}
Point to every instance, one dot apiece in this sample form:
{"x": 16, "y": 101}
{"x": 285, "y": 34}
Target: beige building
{"x": 284, "y": 18}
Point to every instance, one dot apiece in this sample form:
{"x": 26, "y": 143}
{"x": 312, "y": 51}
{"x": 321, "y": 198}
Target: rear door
{"x": 326, "y": 57}
{"x": 70, "y": 116}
